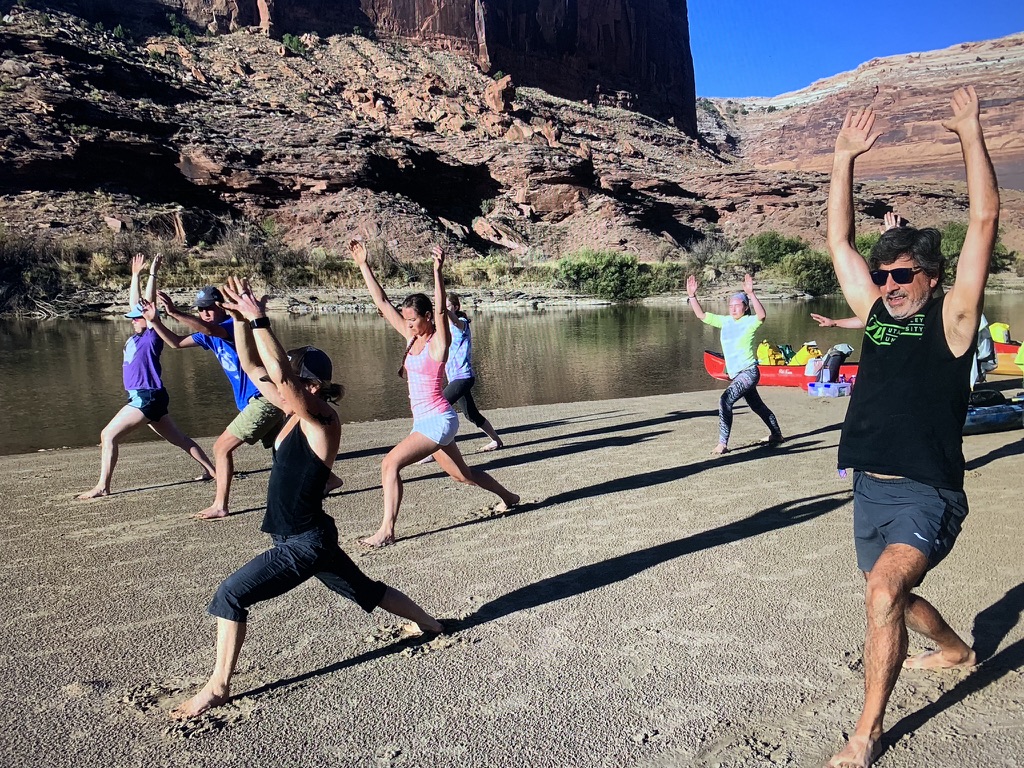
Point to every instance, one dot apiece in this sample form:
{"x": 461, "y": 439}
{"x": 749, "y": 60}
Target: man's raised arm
{"x": 963, "y": 304}
{"x": 854, "y": 139}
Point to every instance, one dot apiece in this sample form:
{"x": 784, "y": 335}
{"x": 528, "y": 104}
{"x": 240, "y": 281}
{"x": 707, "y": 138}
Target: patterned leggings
{"x": 744, "y": 385}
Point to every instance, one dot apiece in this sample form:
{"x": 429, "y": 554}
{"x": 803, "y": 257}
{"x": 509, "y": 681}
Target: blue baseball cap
{"x": 135, "y": 313}
{"x": 208, "y": 297}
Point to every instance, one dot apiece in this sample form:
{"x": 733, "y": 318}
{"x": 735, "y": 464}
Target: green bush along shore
{"x": 43, "y": 276}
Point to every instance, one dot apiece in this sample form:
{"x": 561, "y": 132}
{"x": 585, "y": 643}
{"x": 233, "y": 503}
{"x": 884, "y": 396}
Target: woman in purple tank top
{"x": 434, "y": 421}
{"x": 147, "y": 398}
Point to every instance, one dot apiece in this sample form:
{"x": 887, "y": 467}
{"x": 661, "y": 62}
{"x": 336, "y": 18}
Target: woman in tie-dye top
{"x": 738, "y": 329}
{"x": 147, "y": 398}
{"x": 434, "y": 422}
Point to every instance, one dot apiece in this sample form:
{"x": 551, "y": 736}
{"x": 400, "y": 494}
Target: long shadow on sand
{"x": 382, "y": 450}
{"x": 590, "y": 577}
{"x": 634, "y": 482}
{"x": 990, "y": 627}
{"x": 1016, "y": 448}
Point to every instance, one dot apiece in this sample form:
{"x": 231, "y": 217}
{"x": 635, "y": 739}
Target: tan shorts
{"x": 259, "y": 420}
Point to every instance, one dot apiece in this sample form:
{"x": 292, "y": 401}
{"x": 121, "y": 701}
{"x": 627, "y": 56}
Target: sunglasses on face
{"x": 900, "y": 275}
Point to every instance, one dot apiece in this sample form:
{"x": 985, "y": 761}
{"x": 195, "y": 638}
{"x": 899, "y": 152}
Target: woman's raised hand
{"x": 138, "y": 263}
{"x": 748, "y": 284}
{"x": 148, "y": 310}
{"x": 357, "y": 248}
{"x": 691, "y": 287}
{"x": 242, "y": 302}
{"x": 438, "y": 253}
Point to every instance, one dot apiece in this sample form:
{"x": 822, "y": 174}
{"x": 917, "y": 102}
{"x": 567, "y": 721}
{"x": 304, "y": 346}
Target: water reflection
{"x": 60, "y": 381}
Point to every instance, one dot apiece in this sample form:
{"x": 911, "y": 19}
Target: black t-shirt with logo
{"x": 907, "y": 413}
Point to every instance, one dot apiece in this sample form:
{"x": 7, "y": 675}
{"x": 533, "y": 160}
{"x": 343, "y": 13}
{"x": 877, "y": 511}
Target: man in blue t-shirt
{"x": 258, "y": 417}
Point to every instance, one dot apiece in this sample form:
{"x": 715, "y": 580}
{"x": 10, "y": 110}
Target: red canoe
{"x": 1006, "y": 354}
{"x": 771, "y": 375}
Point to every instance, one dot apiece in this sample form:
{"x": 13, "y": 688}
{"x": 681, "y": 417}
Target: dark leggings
{"x": 460, "y": 390}
{"x": 744, "y": 385}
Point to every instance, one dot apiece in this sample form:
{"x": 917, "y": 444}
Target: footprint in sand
{"x": 157, "y": 699}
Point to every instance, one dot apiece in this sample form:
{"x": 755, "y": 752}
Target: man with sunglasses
{"x": 902, "y": 433}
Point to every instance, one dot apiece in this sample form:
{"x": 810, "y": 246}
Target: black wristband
{"x": 259, "y": 322}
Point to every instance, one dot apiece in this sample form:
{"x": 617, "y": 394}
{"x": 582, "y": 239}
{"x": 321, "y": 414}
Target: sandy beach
{"x": 652, "y": 607}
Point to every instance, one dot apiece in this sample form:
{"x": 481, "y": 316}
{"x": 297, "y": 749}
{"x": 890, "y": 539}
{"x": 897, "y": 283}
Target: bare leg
{"x": 169, "y": 431}
{"x": 450, "y": 460}
{"x": 895, "y": 573}
{"x": 496, "y": 442}
{"x": 952, "y": 653}
{"x": 399, "y": 604}
{"x": 410, "y": 450}
{"x": 230, "y": 636}
{"x": 124, "y": 421}
{"x": 225, "y": 446}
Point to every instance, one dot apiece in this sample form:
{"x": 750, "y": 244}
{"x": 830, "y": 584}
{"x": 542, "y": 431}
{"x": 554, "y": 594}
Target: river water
{"x": 60, "y": 380}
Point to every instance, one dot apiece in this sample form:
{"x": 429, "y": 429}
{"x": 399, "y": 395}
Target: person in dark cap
{"x": 259, "y": 416}
{"x": 305, "y": 537}
{"x": 147, "y": 399}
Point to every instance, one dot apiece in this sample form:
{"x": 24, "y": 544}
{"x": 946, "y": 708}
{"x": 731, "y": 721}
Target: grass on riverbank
{"x": 42, "y": 276}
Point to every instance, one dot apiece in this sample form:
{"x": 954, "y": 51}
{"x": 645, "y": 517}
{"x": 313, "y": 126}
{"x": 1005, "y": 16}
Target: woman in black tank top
{"x": 304, "y": 536}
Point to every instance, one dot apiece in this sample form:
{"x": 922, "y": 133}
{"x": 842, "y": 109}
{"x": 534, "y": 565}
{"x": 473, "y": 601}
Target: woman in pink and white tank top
{"x": 434, "y": 421}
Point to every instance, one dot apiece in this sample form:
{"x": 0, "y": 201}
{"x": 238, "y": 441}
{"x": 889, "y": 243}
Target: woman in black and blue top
{"x": 304, "y": 536}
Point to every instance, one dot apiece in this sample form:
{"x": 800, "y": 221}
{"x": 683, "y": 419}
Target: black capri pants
{"x": 291, "y": 561}
{"x": 459, "y": 390}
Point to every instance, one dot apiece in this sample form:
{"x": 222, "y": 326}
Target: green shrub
{"x": 294, "y": 44}
{"x": 767, "y": 249}
{"x": 181, "y": 29}
{"x": 667, "y": 277}
{"x": 606, "y": 274}
{"x": 811, "y": 272}
{"x": 711, "y": 250}
{"x": 865, "y": 242}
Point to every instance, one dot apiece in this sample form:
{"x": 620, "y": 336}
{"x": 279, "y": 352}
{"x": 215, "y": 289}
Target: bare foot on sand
{"x": 205, "y": 700}
{"x": 426, "y": 460}
{"x": 203, "y": 478}
{"x": 494, "y": 445}
{"x": 95, "y": 493}
{"x": 378, "y": 540}
{"x": 212, "y": 513}
{"x": 859, "y": 752}
{"x": 412, "y": 629}
{"x": 719, "y": 450}
{"x": 938, "y": 660}
{"x": 506, "y": 506}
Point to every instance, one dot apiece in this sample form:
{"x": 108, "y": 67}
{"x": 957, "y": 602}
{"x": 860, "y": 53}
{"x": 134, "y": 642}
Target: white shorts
{"x": 439, "y": 427}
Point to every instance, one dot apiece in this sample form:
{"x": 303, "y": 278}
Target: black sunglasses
{"x": 900, "y": 275}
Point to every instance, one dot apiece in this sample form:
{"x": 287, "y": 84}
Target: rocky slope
{"x": 410, "y": 143}
{"x": 795, "y": 131}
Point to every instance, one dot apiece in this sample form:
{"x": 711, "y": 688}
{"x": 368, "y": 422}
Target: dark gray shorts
{"x": 904, "y": 511}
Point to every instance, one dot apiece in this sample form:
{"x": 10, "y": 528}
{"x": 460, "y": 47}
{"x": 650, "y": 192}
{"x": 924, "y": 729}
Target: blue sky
{"x": 769, "y": 47}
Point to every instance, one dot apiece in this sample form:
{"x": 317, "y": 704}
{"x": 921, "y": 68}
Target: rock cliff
{"x": 910, "y": 93}
{"x": 100, "y": 131}
{"x": 631, "y": 53}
